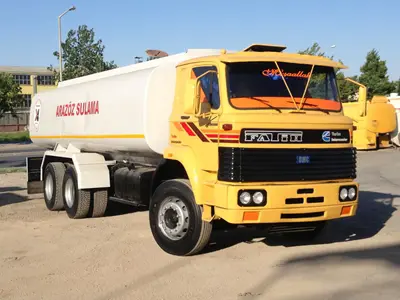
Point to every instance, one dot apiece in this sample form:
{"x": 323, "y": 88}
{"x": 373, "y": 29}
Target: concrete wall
{"x": 10, "y": 124}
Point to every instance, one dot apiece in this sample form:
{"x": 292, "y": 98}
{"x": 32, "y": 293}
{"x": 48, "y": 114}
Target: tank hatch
{"x": 264, "y": 48}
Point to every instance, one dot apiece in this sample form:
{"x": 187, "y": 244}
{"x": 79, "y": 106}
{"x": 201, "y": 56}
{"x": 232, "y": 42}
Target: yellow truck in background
{"x": 374, "y": 120}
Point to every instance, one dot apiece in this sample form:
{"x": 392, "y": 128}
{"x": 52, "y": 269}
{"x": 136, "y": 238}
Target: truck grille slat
{"x": 256, "y": 165}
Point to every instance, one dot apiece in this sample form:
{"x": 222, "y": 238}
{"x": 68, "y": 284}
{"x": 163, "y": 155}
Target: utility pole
{"x": 59, "y": 37}
{"x": 34, "y": 77}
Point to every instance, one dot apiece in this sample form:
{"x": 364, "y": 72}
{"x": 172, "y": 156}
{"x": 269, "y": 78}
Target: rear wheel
{"x": 52, "y": 186}
{"x": 99, "y": 203}
{"x": 176, "y": 220}
{"x": 76, "y": 202}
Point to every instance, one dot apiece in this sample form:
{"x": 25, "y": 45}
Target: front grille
{"x": 262, "y": 165}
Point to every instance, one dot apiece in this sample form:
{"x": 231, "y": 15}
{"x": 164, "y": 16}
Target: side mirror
{"x": 204, "y": 109}
{"x": 192, "y": 103}
{"x": 191, "y": 94}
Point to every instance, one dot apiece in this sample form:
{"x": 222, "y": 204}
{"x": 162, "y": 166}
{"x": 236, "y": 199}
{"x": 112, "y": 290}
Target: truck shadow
{"x": 310, "y": 265}
{"x": 117, "y": 209}
{"x": 7, "y": 198}
{"x": 11, "y": 189}
{"x": 374, "y": 210}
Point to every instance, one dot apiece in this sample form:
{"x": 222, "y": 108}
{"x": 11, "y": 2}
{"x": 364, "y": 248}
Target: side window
{"x": 209, "y": 86}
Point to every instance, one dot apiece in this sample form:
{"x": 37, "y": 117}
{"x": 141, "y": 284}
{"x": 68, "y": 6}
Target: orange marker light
{"x": 251, "y": 215}
{"x": 345, "y": 210}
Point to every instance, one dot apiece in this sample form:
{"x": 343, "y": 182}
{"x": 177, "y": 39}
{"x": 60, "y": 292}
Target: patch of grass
{"x": 14, "y": 137}
{"x": 12, "y": 170}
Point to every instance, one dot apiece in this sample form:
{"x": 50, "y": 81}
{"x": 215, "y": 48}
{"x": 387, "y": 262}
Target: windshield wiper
{"x": 266, "y": 103}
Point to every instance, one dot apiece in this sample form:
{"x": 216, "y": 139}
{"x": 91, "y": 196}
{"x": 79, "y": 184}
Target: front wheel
{"x": 176, "y": 220}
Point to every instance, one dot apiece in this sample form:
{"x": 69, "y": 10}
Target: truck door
{"x": 206, "y": 125}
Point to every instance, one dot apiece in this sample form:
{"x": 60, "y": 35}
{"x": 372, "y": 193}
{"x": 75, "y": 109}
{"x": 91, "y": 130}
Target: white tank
{"x": 394, "y": 99}
{"x": 124, "y": 111}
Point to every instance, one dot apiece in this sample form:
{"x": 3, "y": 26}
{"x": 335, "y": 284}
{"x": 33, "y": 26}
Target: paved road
{"x": 14, "y": 155}
{"x": 45, "y": 255}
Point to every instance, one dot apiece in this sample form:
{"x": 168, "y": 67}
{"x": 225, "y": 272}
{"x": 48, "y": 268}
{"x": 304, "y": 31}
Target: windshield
{"x": 259, "y": 85}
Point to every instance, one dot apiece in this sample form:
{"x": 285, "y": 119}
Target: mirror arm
{"x": 306, "y": 88}
{"x": 287, "y": 87}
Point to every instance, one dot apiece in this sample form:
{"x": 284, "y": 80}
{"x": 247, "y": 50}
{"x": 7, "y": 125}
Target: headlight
{"x": 252, "y": 198}
{"x": 258, "y": 198}
{"x": 245, "y": 198}
{"x": 343, "y": 194}
{"x": 352, "y": 193}
{"x": 348, "y": 193}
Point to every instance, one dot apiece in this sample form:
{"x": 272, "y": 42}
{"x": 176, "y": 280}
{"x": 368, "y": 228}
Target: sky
{"x": 29, "y": 32}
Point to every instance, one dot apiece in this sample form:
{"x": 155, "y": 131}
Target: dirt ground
{"x": 45, "y": 255}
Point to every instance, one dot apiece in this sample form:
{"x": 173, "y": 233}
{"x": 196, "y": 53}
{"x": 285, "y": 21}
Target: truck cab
{"x": 260, "y": 137}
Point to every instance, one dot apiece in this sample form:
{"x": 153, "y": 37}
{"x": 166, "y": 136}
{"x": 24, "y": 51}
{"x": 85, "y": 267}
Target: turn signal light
{"x": 250, "y": 215}
{"x": 345, "y": 210}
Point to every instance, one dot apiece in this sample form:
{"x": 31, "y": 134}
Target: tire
{"x": 192, "y": 236}
{"x": 99, "y": 203}
{"x": 52, "y": 186}
{"x": 76, "y": 202}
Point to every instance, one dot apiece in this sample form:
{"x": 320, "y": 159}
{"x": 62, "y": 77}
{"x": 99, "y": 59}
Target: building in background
{"x": 32, "y": 80}
{"x": 26, "y": 76}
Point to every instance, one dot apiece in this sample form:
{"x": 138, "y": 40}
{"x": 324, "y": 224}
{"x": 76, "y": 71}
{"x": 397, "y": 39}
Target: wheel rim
{"x": 49, "y": 187}
{"x": 69, "y": 193}
{"x": 173, "y": 218}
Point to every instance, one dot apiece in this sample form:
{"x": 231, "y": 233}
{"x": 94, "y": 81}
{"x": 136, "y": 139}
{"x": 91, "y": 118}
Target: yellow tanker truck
{"x": 374, "y": 120}
{"x": 253, "y": 137}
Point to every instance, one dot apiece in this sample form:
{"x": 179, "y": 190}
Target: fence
{"x": 8, "y": 123}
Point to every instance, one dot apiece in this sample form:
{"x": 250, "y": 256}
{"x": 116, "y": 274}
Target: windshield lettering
{"x": 275, "y": 72}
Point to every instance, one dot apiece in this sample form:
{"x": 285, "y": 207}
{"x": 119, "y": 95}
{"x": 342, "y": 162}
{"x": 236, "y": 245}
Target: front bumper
{"x": 280, "y": 207}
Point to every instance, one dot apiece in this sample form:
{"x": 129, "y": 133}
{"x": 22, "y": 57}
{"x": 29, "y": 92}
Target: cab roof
{"x": 265, "y": 53}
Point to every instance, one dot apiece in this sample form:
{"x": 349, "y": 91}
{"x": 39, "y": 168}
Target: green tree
{"x": 10, "y": 96}
{"x": 315, "y": 49}
{"x": 347, "y": 89}
{"x": 82, "y": 55}
{"x": 398, "y": 86}
{"x": 374, "y": 75}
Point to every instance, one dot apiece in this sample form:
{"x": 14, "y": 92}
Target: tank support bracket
{"x": 92, "y": 168}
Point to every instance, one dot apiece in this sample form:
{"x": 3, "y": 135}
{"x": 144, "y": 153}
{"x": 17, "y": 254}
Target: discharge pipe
{"x": 362, "y": 96}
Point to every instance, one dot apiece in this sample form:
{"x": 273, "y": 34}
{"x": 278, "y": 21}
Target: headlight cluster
{"x": 347, "y": 193}
{"x": 252, "y": 198}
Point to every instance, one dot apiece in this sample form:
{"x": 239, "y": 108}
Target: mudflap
{"x": 33, "y": 166}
